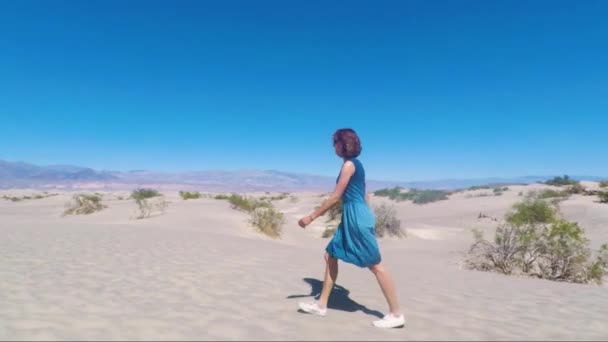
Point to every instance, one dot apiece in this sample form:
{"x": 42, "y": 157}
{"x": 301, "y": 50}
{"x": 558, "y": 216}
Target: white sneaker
{"x": 390, "y": 321}
{"x": 312, "y": 308}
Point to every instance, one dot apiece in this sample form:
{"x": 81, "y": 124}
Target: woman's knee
{"x": 329, "y": 259}
{"x": 377, "y": 268}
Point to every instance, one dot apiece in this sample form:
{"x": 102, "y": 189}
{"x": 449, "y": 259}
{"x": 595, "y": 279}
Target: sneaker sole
{"x": 401, "y": 326}
{"x": 310, "y": 312}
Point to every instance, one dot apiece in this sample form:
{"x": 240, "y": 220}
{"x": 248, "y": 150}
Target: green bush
{"x": 26, "y": 197}
{"x": 263, "y": 214}
{"x": 565, "y": 253}
{"x": 603, "y": 195}
{"x": 394, "y": 194}
{"x": 428, "y": 196}
{"x": 329, "y": 231}
{"x": 535, "y": 242}
{"x": 247, "y": 204}
{"x": 146, "y": 206}
{"x": 12, "y": 198}
{"x": 483, "y": 194}
{"x": 604, "y": 184}
{"x": 385, "y": 217}
{"x": 575, "y": 189}
{"x": 83, "y": 204}
{"x": 598, "y": 269}
{"x": 416, "y": 196}
{"x": 548, "y": 194}
{"x": 268, "y": 221}
{"x": 387, "y": 222}
{"x": 479, "y": 187}
{"x": 559, "y": 181}
{"x": 335, "y": 212}
{"x": 531, "y": 211}
{"x": 139, "y": 194}
{"x": 500, "y": 255}
{"x": 189, "y": 195}
{"x": 282, "y": 196}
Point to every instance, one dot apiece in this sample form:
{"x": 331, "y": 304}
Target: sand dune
{"x": 200, "y": 272}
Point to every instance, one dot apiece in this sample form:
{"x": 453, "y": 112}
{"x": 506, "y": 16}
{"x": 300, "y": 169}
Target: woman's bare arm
{"x": 348, "y": 169}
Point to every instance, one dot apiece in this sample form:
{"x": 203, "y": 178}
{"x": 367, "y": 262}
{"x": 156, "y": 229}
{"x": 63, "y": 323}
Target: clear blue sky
{"x": 436, "y": 89}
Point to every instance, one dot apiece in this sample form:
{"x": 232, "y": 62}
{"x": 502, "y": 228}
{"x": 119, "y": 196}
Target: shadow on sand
{"x": 338, "y": 300}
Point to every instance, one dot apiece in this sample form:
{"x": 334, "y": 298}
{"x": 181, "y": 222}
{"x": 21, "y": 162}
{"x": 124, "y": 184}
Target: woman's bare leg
{"x": 388, "y": 287}
{"x": 331, "y": 274}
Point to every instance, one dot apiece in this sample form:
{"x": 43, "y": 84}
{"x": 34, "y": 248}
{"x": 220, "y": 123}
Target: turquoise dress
{"x": 355, "y": 240}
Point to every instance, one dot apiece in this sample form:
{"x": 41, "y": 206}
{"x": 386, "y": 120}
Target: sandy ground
{"x": 200, "y": 272}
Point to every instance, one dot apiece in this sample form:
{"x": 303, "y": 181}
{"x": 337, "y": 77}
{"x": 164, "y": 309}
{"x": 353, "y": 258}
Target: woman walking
{"x": 354, "y": 240}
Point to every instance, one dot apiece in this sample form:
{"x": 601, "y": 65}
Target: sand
{"x": 200, "y": 272}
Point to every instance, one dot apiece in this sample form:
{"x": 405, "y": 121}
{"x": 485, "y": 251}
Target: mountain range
{"x": 26, "y": 175}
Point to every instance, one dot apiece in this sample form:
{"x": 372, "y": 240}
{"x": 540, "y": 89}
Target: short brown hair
{"x": 349, "y": 145}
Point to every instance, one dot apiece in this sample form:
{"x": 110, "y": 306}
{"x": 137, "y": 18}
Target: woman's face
{"x": 337, "y": 148}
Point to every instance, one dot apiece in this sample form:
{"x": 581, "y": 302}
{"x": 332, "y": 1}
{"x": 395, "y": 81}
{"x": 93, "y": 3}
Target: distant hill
{"x": 22, "y": 175}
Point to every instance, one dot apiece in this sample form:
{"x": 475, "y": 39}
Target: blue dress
{"x": 355, "y": 240}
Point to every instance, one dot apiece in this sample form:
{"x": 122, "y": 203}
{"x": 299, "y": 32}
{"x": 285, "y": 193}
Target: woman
{"x": 354, "y": 240}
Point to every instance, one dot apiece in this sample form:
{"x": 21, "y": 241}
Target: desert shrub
{"x": 604, "y": 184}
{"x": 335, "y": 212}
{"x": 575, "y": 189}
{"x": 428, "y": 196}
{"x": 416, "y": 196}
{"x": 147, "y": 206}
{"x": 387, "y": 222}
{"x": 479, "y": 187}
{"x": 559, "y": 181}
{"x": 282, "y": 196}
{"x": 138, "y": 194}
{"x": 500, "y": 255}
{"x": 547, "y": 194}
{"x": 83, "y": 204}
{"x": 483, "y": 194}
{"x": 521, "y": 193}
{"x": 293, "y": 199}
{"x": 603, "y": 196}
{"x": 222, "y": 197}
{"x": 247, "y": 204}
{"x": 531, "y": 211}
{"x": 185, "y": 195}
{"x": 28, "y": 197}
{"x": 11, "y": 198}
{"x": 394, "y": 193}
{"x": 329, "y": 231}
{"x": 536, "y": 242}
{"x": 598, "y": 269}
{"x": 264, "y": 216}
{"x": 565, "y": 253}
{"x": 268, "y": 221}
{"x": 144, "y": 208}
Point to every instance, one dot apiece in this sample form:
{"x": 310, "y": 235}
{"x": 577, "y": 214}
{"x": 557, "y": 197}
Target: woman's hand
{"x": 305, "y": 221}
